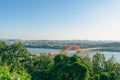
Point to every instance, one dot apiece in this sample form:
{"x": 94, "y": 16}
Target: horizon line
{"x": 56, "y": 39}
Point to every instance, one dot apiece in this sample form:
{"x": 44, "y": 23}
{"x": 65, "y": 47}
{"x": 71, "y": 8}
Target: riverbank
{"x": 112, "y": 49}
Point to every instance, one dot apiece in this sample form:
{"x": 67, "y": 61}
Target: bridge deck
{"x": 87, "y": 49}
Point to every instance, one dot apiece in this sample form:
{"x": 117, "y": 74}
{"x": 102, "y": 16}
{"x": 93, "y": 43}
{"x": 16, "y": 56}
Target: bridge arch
{"x": 73, "y": 47}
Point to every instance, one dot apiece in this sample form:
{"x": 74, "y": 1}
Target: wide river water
{"x": 107, "y": 54}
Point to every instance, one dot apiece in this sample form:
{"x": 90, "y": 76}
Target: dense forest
{"x": 16, "y": 63}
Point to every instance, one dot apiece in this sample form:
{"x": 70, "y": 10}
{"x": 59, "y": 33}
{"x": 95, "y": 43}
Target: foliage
{"x": 16, "y": 63}
{"x": 104, "y": 76}
{"x": 5, "y": 74}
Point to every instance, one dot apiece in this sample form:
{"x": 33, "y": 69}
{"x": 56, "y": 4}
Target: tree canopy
{"x": 16, "y": 63}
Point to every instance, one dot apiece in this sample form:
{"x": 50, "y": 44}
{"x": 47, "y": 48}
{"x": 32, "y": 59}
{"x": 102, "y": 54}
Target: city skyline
{"x": 60, "y": 19}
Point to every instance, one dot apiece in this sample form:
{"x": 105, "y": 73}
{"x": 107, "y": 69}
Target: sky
{"x": 60, "y": 19}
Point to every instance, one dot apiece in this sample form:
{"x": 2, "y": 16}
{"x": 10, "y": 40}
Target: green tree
{"x": 96, "y": 77}
{"x": 98, "y": 62}
{"x": 104, "y": 76}
{"x": 68, "y": 68}
{"x": 40, "y": 66}
{"x": 113, "y": 76}
{"x": 5, "y": 74}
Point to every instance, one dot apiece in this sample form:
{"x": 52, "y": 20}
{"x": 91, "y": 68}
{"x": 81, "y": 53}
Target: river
{"x": 107, "y": 54}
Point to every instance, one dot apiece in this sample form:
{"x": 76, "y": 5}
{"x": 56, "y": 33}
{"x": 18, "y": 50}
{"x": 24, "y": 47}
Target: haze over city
{"x": 60, "y": 19}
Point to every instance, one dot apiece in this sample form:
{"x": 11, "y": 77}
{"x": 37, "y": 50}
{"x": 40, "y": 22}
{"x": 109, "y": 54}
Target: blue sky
{"x": 60, "y": 19}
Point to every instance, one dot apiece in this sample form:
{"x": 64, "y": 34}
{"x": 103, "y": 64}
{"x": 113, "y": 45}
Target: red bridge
{"x": 73, "y": 47}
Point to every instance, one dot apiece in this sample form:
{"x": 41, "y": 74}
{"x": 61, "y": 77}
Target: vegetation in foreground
{"x": 16, "y": 63}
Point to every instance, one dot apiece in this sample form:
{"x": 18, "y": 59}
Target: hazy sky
{"x": 60, "y": 19}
